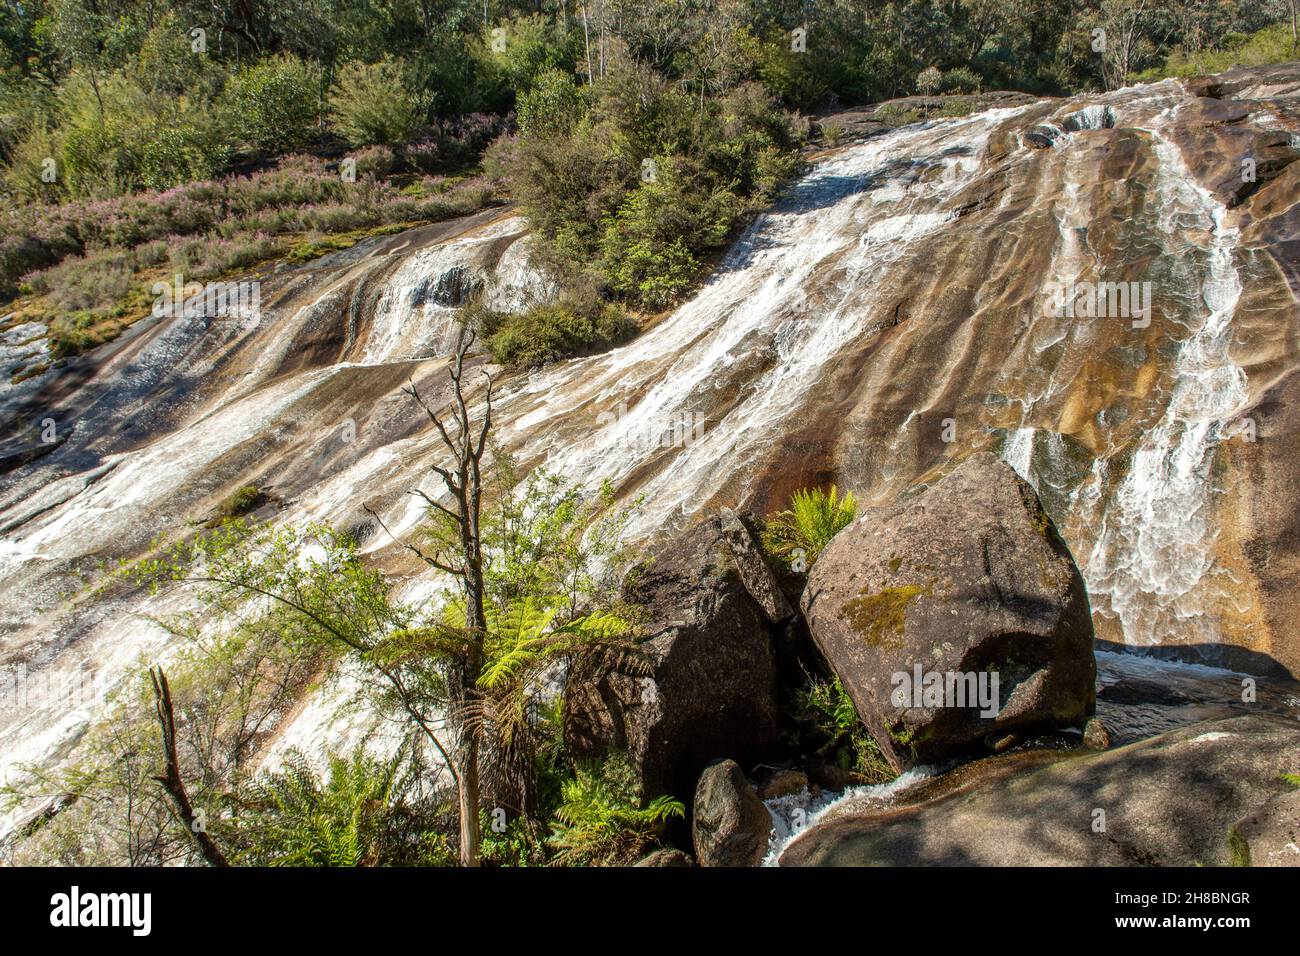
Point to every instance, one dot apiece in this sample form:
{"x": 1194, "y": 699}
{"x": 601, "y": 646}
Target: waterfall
{"x": 849, "y": 222}
{"x": 841, "y": 325}
{"x": 415, "y": 314}
{"x": 1152, "y": 562}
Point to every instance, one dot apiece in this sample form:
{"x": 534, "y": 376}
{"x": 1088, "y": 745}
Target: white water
{"x": 415, "y": 314}
{"x": 756, "y": 303}
{"x": 1152, "y": 561}
{"x": 798, "y": 289}
{"x": 797, "y": 813}
{"x": 1145, "y": 546}
{"x": 837, "y": 214}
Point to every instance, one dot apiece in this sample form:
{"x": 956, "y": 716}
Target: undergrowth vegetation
{"x": 836, "y": 732}
{"x": 574, "y": 325}
{"x": 632, "y": 184}
{"x": 555, "y": 564}
{"x": 1272, "y": 44}
{"x": 138, "y": 141}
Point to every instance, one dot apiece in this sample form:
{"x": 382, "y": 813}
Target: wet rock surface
{"x": 1169, "y": 800}
{"x": 897, "y": 287}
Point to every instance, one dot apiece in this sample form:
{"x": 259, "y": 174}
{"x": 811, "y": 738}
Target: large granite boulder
{"x": 1210, "y": 794}
{"x": 955, "y": 614}
{"x": 711, "y": 690}
{"x": 730, "y": 825}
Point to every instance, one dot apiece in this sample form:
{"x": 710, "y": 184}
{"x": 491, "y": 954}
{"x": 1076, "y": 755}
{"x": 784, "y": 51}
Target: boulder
{"x": 668, "y": 856}
{"x": 1207, "y": 794}
{"x": 711, "y": 686}
{"x": 955, "y": 614}
{"x": 752, "y": 567}
{"x": 1095, "y": 735}
{"x": 730, "y": 825}
{"x": 1270, "y": 836}
{"x": 783, "y": 783}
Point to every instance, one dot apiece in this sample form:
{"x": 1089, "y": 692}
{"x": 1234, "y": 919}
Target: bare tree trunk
{"x": 171, "y": 777}
{"x": 464, "y": 482}
{"x": 586, "y": 39}
{"x": 467, "y": 794}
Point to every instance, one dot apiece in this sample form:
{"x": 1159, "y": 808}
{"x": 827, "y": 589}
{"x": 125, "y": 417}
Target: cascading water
{"x": 416, "y": 311}
{"x": 1152, "y": 561}
{"x": 898, "y": 285}
{"x": 1145, "y": 545}
{"x": 858, "y": 214}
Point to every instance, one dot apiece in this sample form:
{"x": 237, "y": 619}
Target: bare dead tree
{"x": 171, "y": 779}
{"x": 466, "y": 444}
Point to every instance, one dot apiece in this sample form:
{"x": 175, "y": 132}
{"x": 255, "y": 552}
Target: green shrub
{"x": 372, "y": 103}
{"x": 655, "y": 274}
{"x": 274, "y": 103}
{"x": 552, "y": 106}
{"x": 954, "y": 108}
{"x": 96, "y": 280}
{"x": 240, "y": 502}
{"x": 632, "y": 183}
{"x": 960, "y": 80}
{"x": 814, "y": 517}
{"x": 22, "y": 176}
{"x": 650, "y": 245}
{"x": 550, "y": 332}
{"x": 79, "y": 331}
{"x": 894, "y": 115}
{"x": 533, "y": 46}
{"x": 114, "y": 137}
{"x": 832, "y": 131}
{"x": 1272, "y": 44}
{"x": 374, "y": 161}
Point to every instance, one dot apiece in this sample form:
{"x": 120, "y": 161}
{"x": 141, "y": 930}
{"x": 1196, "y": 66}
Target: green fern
{"x": 353, "y": 817}
{"x": 804, "y": 530}
{"x": 526, "y": 634}
{"x": 600, "y": 821}
{"x": 837, "y": 731}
